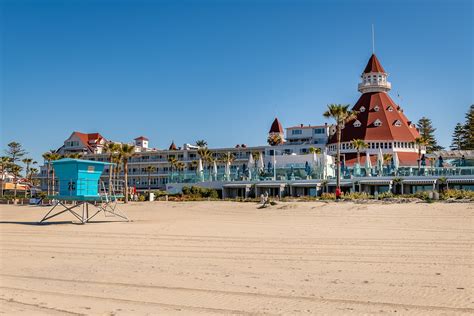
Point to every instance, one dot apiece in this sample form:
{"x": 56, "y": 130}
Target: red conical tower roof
{"x": 173, "y": 146}
{"x": 373, "y": 65}
{"x": 276, "y": 127}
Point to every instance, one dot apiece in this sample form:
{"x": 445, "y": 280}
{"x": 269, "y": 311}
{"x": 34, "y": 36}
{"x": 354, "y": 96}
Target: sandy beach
{"x": 193, "y": 258}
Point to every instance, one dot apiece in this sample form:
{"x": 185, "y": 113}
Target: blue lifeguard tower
{"x": 79, "y": 182}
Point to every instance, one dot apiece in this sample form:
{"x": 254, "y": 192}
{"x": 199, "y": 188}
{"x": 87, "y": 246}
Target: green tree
{"x": 426, "y": 129}
{"x": 201, "y": 143}
{"x": 421, "y": 143}
{"x": 469, "y": 129}
{"x": 14, "y": 152}
{"x": 359, "y": 145}
{"x": 274, "y": 140}
{"x": 4, "y": 166}
{"x": 47, "y": 159}
{"x": 341, "y": 114}
{"x": 112, "y": 149}
{"x": 314, "y": 150}
{"x": 149, "y": 170}
{"x": 126, "y": 152}
{"x": 53, "y": 157}
{"x": 458, "y": 141}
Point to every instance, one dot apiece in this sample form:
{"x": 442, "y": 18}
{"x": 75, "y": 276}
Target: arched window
{"x": 390, "y": 109}
{"x": 397, "y": 123}
{"x": 376, "y": 108}
{"x": 377, "y": 122}
{"x": 357, "y": 123}
{"x": 362, "y": 109}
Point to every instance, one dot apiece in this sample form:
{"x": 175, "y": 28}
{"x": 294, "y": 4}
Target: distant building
{"x": 82, "y": 143}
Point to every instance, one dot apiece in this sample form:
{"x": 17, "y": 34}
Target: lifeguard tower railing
{"x": 78, "y": 185}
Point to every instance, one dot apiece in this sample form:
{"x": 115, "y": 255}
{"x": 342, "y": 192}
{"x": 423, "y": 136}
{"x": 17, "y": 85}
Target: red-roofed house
{"x": 380, "y": 122}
{"x": 92, "y": 143}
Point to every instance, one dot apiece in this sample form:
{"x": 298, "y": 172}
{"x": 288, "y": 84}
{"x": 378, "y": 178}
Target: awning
{"x": 419, "y": 181}
{"x": 376, "y": 182}
{"x": 271, "y": 185}
{"x": 462, "y": 180}
{"x": 343, "y": 184}
{"x": 305, "y": 184}
{"x": 237, "y": 185}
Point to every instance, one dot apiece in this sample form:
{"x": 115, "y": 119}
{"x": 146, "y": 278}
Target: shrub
{"x": 328, "y": 196}
{"x": 386, "y": 195}
{"x": 457, "y": 194}
{"x": 196, "y": 193}
{"x": 356, "y": 196}
{"x": 141, "y": 198}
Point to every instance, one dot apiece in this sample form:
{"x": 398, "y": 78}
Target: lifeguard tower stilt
{"x": 78, "y": 182}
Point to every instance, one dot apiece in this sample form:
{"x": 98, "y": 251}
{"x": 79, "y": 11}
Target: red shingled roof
{"x": 388, "y": 130}
{"x": 87, "y": 139}
{"x": 173, "y": 146}
{"x": 373, "y": 65}
{"x": 141, "y": 138}
{"x": 276, "y": 127}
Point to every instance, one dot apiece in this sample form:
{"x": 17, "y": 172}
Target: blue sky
{"x": 221, "y": 70}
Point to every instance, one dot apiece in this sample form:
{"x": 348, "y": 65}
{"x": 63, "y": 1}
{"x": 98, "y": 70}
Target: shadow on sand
{"x": 56, "y": 223}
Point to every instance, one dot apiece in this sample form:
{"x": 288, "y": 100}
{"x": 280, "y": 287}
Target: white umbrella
{"x": 251, "y": 163}
{"x": 396, "y": 161}
{"x": 380, "y": 161}
{"x": 200, "y": 170}
{"x": 214, "y": 170}
{"x": 227, "y": 171}
{"x": 368, "y": 163}
{"x": 261, "y": 165}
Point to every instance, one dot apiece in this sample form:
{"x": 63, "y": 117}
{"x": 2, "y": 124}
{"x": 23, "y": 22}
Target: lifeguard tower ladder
{"x": 79, "y": 183}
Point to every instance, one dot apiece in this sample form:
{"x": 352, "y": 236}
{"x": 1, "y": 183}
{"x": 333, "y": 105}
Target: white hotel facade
{"x": 295, "y": 151}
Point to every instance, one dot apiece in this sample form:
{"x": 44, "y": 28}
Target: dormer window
{"x": 390, "y": 109}
{"x": 357, "y": 123}
{"x": 397, "y": 123}
{"x": 362, "y": 109}
{"x": 376, "y": 108}
{"x": 377, "y": 122}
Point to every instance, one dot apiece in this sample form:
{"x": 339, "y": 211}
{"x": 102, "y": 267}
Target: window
{"x": 296, "y": 132}
{"x": 357, "y": 123}
{"x": 376, "y": 108}
{"x": 377, "y": 122}
{"x": 362, "y": 109}
{"x": 390, "y": 108}
{"x": 319, "y": 130}
{"x": 397, "y": 123}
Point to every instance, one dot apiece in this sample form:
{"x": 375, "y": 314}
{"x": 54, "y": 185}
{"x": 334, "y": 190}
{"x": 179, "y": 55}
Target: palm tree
{"x": 227, "y": 158}
{"x": 27, "y": 162}
{"x": 47, "y": 159}
{"x": 180, "y": 167}
{"x": 341, "y": 114}
{"x": 201, "y": 143}
{"x": 4, "y": 165}
{"x": 358, "y": 145}
{"x": 314, "y": 150}
{"x": 150, "y": 170}
{"x": 274, "y": 140}
{"x": 205, "y": 155}
{"x": 53, "y": 157}
{"x": 15, "y": 170}
{"x": 173, "y": 161}
{"x": 420, "y": 142}
{"x": 126, "y": 152}
{"x": 74, "y": 156}
{"x": 112, "y": 149}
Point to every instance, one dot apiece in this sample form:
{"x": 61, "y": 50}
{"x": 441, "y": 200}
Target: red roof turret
{"x": 373, "y": 65}
{"x": 276, "y": 127}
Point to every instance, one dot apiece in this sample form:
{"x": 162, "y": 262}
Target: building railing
{"x": 311, "y": 173}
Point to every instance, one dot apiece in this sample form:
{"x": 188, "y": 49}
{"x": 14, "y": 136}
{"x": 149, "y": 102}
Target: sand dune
{"x": 231, "y": 258}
